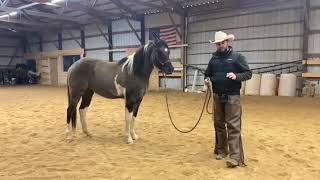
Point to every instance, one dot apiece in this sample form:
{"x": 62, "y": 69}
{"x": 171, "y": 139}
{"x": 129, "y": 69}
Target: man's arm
{"x": 208, "y": 73}
{"x": 244, "y": 71}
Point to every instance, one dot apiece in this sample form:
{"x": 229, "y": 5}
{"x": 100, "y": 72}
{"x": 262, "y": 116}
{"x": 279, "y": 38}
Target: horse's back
{"x": 98, "y": 75}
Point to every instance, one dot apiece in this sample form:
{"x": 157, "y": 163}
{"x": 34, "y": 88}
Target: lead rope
{"x": 205, "y": 104}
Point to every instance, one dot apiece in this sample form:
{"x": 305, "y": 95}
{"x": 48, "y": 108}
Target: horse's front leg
{"x": 135, "y": 113}
{"x": 128, "y": 119}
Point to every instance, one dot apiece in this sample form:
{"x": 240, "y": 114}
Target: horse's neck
{"x": 142, "y": 65}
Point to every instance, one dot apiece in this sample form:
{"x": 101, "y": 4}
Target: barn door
{"x": 54, "y": 71}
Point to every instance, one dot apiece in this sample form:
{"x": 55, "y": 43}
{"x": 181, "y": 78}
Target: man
{"x": 226, "y": 70}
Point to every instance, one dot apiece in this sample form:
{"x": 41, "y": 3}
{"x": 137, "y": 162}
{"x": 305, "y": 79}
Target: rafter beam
{"x": 124, "y": 7}
{"x": 8, "y": 26}
{"x": 151, "y": 5}
{"x": 9, "y": 10}
{"x": 176, "y": 7}
{"x": 133, "y": 30}
{"x": 103, "y": 34}
{"x": 51, "y": 16}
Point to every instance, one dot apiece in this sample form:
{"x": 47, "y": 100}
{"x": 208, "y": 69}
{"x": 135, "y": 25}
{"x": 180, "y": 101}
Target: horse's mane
{"x": 123, "y": 60}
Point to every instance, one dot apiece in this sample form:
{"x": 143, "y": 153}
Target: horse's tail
{"x": 72, "y": 109}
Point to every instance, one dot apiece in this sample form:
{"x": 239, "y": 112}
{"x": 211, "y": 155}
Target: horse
{"x": 127, "y": 79}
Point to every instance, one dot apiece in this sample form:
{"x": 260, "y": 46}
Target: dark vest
{"x": 221, "y": 65}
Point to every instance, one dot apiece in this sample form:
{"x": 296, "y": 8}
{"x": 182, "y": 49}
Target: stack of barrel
{"x": 270, "y": 85}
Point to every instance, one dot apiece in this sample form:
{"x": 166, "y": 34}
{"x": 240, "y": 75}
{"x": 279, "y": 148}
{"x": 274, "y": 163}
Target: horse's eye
{"x": 166, "y": 49}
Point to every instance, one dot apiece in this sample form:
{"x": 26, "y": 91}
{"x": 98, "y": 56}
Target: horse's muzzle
{"x": 168, "y": 68}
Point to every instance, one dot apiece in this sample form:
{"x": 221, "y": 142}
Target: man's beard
{"x": 222, "y": 50}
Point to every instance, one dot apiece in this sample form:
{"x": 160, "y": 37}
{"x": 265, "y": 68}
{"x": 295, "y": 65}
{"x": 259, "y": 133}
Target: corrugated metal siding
{"x": 71, "y": 44}
{"x": 96, "y": 42}
{"x": 125, "y": 39}
{"x": 99, "y": 54}
{"x": 314, "y": 2}
{"x": 122, "y": 25}
{"x": 265, "y": 35}
{"x": 171, "y": 83}
{"x": 119, "y": 55}
{"x": 314, "y": 39}
{"x": 8, "y": 51}
{"x": 47, "y": 47}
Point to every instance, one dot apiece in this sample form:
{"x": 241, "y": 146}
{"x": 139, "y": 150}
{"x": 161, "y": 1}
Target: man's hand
{"x": 231, "y": 75}
{"x": 207, "y": 82}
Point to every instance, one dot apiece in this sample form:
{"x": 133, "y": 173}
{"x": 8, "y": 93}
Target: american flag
{"x": 167, "y": 34}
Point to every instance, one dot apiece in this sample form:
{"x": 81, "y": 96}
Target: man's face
{"x": 222, "y": 46}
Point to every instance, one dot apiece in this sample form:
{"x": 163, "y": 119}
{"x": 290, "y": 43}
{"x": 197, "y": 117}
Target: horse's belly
{"x": 109, "y": 90}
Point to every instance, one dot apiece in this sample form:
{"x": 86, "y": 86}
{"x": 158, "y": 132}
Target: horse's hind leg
{"x": 85, "y": 102}
{"x": 72, "y": 117}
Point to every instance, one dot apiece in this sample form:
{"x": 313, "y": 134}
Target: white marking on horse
{"x": 83, "y": 120}
{"x": 145, "y": 48}
{"x": 70, "y": 131}
{"x": 129, "y": 63}
{"x": 132, "y": 131}
{"x": 166, "y": 49}
{"x": 128, "y": 119}
{"x": 121, "y": 91}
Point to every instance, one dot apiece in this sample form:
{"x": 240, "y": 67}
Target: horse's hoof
{"x": 135, "y": 137}
{"x": 69, "y": 137}
{"x": 88, "y": 134}
{"x": 130, "y": 141}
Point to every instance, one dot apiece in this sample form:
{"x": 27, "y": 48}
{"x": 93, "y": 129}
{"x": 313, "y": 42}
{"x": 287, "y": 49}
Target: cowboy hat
{"x": 221, "y": 36}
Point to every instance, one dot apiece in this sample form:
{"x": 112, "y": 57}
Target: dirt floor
{"x": 281, "y": 139}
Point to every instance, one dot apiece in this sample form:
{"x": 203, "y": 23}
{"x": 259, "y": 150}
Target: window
{"x": 68, "y": 61}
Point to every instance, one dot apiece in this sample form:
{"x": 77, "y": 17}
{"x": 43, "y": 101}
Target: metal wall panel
{"x": 122, "y": 25}
{"x": 314, "y": 39}
{"x": 265, "y": 35}
{"x": 125, "y": 39}
{"x": 314, "y": 43}
{"x": 50, "y": 37}
{"x": 93, "y": 29}
{"x": 99, "y": 54}
{"x": 171, "y": 83}
{"x": 96, "y": 42}
{"x": 314, "y": 2}
{"x": 9, "y": 41}
{"x": 119, "y": 55}
{"x": 7, "y": 51}
{"x": 71, "y": 44}
{"x": 47, "y": 47}
{"x": 314, "y": 19}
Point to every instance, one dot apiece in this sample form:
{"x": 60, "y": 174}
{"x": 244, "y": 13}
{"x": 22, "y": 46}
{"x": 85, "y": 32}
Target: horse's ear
{"x": 155, "y": 37}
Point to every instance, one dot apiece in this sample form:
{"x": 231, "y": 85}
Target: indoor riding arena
{"x": 130, "y": 89}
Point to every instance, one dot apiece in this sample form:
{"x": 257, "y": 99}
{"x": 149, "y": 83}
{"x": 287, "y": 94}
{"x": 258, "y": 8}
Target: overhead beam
{"x": 103, "y": 34}
{"x": 133, "y": 30}
{"x": 9, "y": 10}
{"x": 51, "y": 16}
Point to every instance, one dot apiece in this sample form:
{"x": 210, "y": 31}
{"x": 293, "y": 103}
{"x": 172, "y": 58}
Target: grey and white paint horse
{"x": 128, "y": 79}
